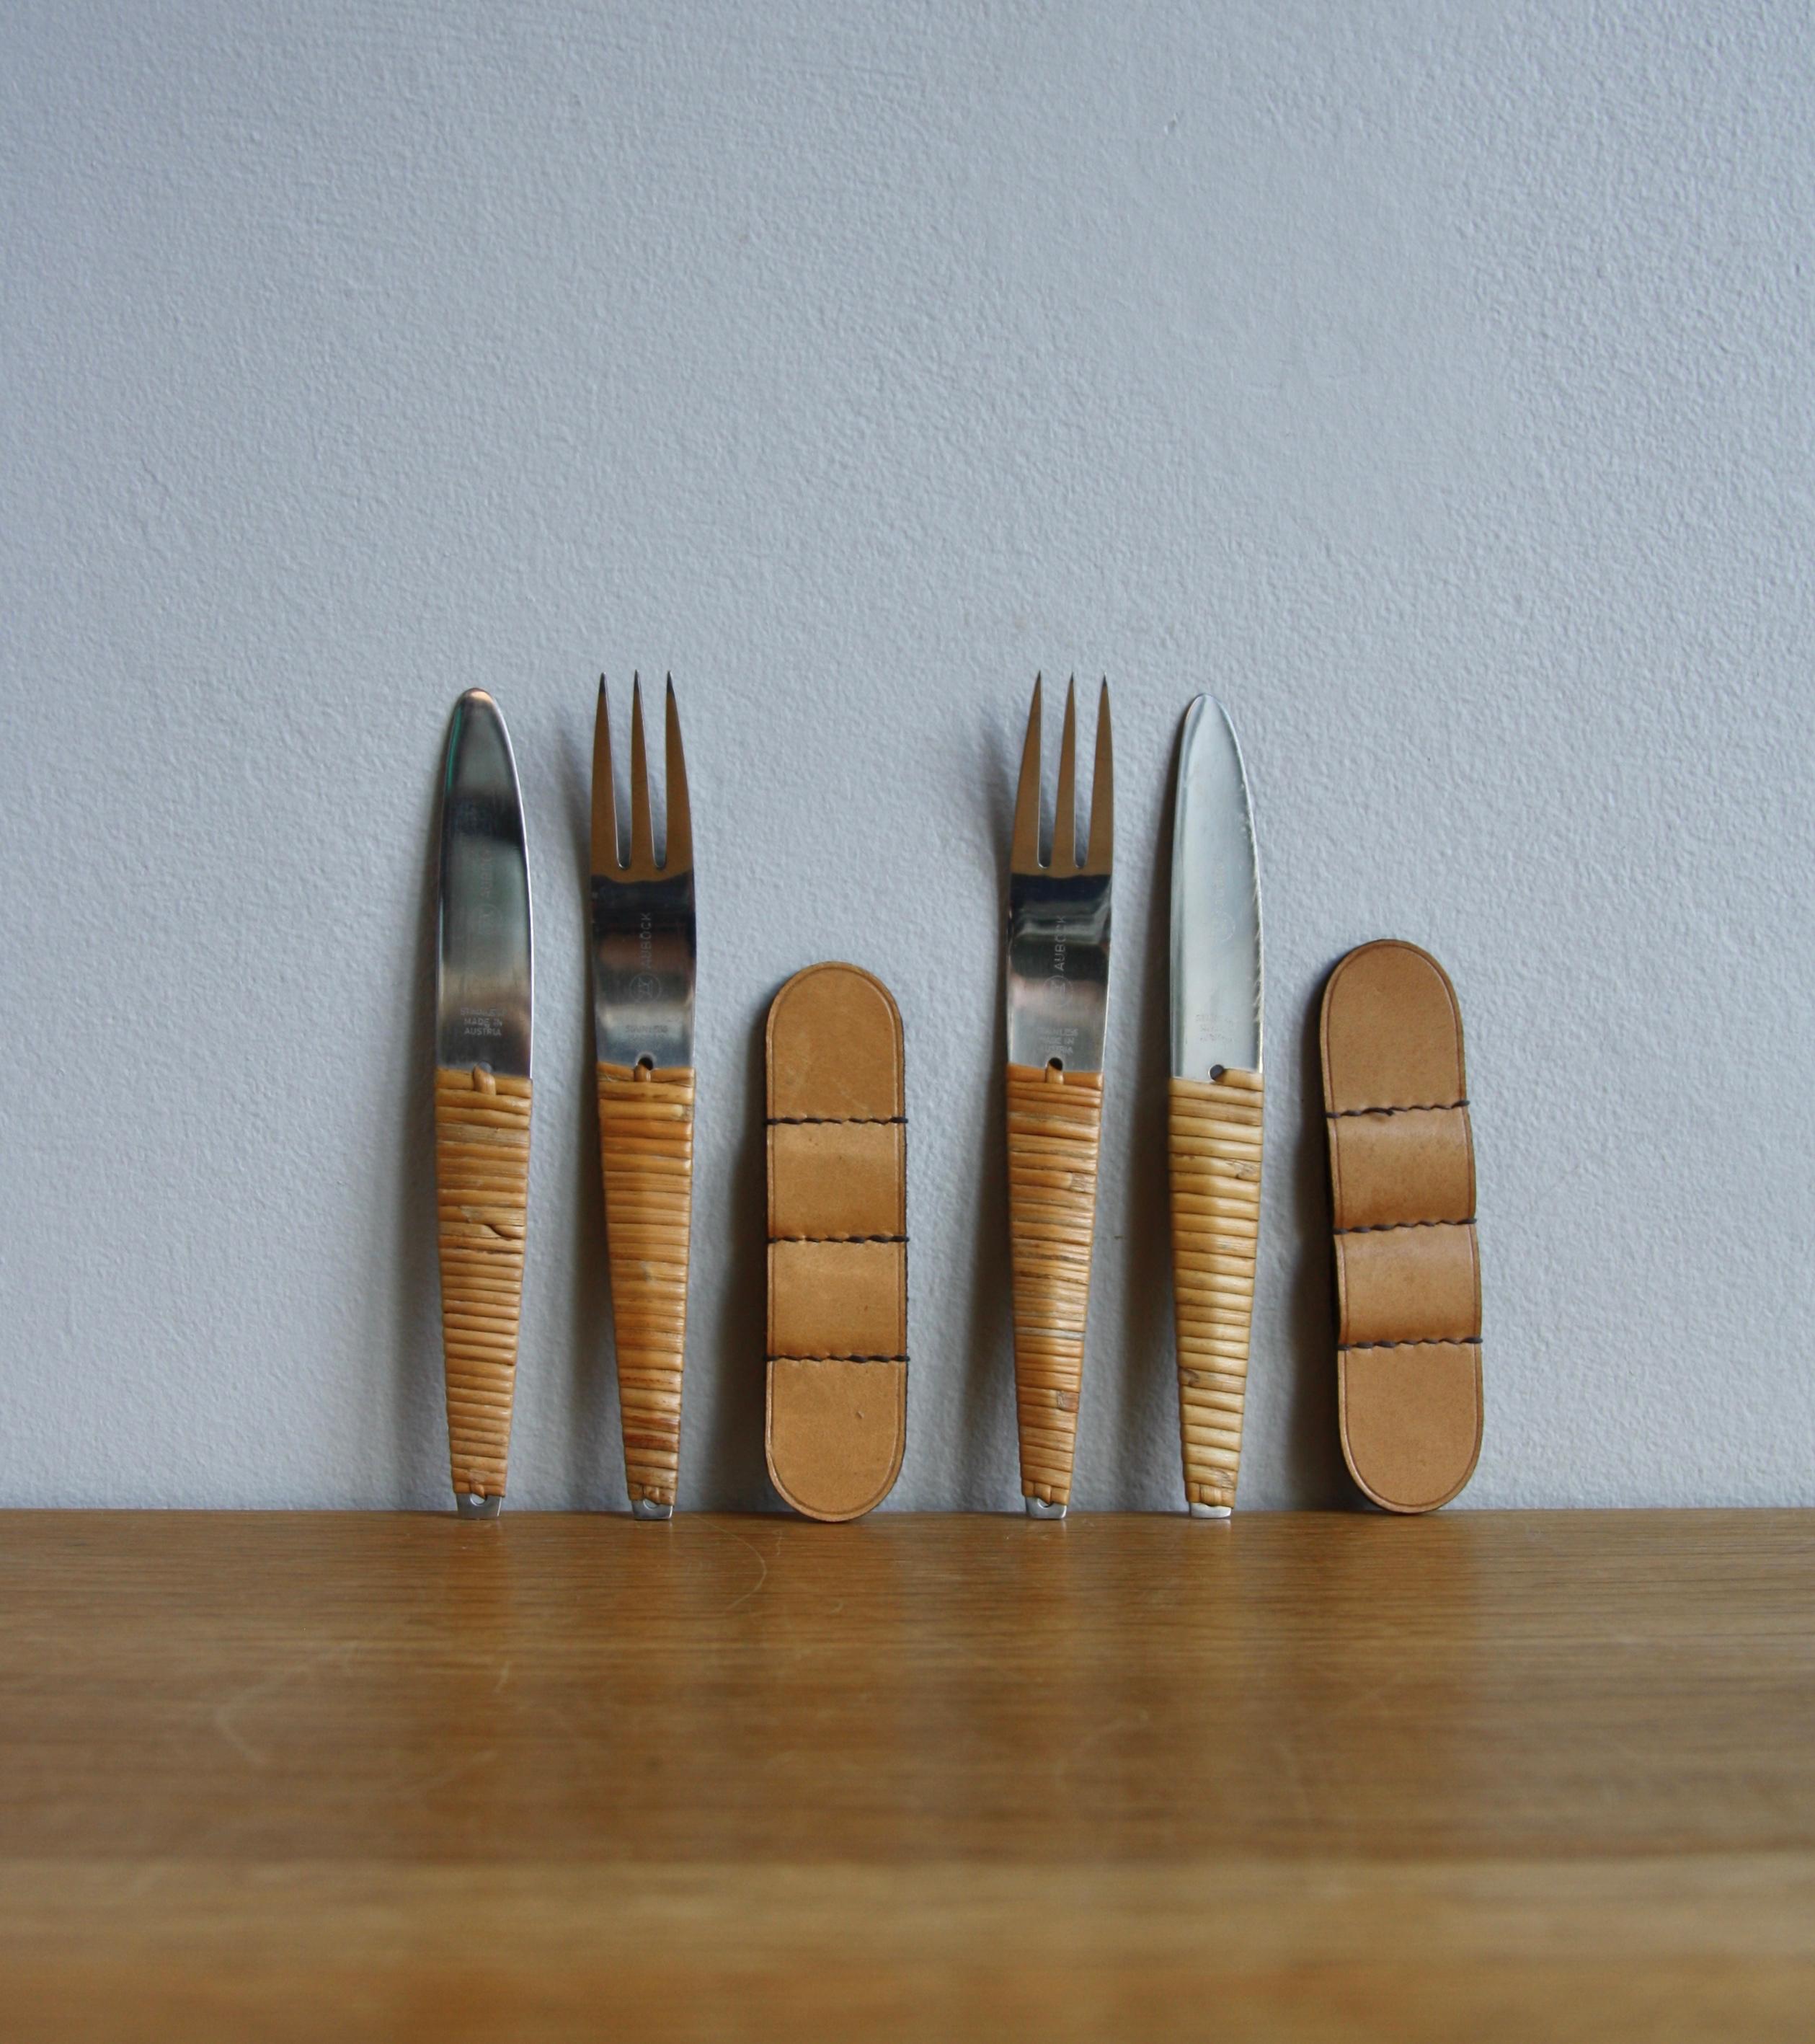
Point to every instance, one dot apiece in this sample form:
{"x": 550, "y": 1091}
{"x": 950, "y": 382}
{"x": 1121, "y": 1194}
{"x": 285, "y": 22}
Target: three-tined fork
{"x": 643, "y": 955}
{"x": 1058, "y": 992}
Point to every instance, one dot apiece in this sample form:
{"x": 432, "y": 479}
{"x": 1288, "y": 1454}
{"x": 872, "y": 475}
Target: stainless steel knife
{"x": 482, "y": 1095}
{"x": 1216, "y": 1104}
{"x": 643, "y": 952}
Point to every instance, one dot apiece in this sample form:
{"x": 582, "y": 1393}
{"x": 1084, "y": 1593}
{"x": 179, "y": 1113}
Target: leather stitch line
{"x": 838, "y": 1121}
{"x": 791, "y": 1358}
{"x": 1391, "y": 1227}
{"x": 901, "y": 1239}
{"x": 1430, "y": 1341}
{"x": 1429, "y": 1107}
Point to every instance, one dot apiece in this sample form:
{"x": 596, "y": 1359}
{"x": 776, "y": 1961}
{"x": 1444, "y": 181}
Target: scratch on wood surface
{"x": 1364, "y": 1700}
{"x": 744, "y": 1596}
{"x": 1293, "y": 1776}
{"x": 1126, "y": 1721}
{"x": 444, "y": 1777}
{"x": 226, "y": 1714}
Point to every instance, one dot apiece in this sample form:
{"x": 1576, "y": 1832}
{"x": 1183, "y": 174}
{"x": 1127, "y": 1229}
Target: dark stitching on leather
{"x": 791, "y": 1358}
{"x": 838, "y": 1120}
{"x": 1431, "y": 1107}
{"x": 901, "y": 1239}
{"x": 1389, "y": 1227}
{"x": 1430, "y": 1341}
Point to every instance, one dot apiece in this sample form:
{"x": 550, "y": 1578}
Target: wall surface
{"x": 1433, "y": 382}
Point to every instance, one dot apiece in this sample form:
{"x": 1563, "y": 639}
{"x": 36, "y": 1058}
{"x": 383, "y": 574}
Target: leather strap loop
{"x": 1401, "y": 1170}
{"x": 835, "y": 1425}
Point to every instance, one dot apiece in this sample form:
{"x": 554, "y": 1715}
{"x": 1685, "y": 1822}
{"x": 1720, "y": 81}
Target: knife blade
{"x": 483, "y": 1001}
{"x": 1217, "y": 1101}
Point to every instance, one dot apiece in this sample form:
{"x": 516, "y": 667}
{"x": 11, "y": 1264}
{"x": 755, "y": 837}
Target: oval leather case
{"x": 836, "y": 1419}
{"x": 1408, "y": 1269}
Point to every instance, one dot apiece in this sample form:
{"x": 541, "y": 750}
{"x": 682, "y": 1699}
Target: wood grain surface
{"x": 1491, "y": 1776}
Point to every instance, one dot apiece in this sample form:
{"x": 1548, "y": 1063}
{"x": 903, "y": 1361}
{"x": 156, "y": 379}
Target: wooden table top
{"x": 1484, "y": 1775}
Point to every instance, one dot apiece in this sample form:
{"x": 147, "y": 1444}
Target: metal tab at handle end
{"x": 1209, "y": 1511}
{"x": 470, "y": 1505}
{"x": 650, "y": 1508}
{"x": 1038, "y": 1507}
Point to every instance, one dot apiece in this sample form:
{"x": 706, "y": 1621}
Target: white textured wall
{"x": 1431, "y": 381}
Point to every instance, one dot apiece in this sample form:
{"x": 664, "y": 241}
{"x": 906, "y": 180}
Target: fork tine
{"x": 677, "y": 856}
{"x": 605, "y": 799}
{"x": 1024, "y": 849}
{"x": 642, "y": 840}
{"x": 1102, "y": 792}
{"x": 1064, "y": 811}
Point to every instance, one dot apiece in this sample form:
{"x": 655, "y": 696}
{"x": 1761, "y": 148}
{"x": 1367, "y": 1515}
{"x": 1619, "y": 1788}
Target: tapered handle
{"x": 1055, "y": 1121}
{"x": 1215, "y": 1141}
{"x": 481, "y": 1184}
{"x": 646, "y": 1146}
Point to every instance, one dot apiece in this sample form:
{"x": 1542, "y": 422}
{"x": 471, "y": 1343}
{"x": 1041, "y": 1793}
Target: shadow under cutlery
{"x": 1315, "y": 1472}
{"x": 595, "y": 1459}
{"x": 1146, "y": 1412}
{"x": 419, "y": 1413}
{"x": 986, "y": 1461}
{"x": 734, "y": 1468}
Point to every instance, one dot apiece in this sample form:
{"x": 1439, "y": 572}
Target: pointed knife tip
{"x": 1205, "y": 705}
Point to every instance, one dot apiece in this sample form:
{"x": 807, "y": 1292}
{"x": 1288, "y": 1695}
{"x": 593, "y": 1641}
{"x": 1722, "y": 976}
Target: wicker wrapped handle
{"x": 1055, "y": 1122}
{"x": 482, "y": 1185}
{"x": 1214, "y": 1140}
{"x": 645, "y": 1148}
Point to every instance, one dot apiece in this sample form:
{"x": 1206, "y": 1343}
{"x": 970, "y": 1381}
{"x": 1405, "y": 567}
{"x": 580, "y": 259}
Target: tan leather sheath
{"x": 1408, "y": 1269}
{"x": 837, "y": 1419}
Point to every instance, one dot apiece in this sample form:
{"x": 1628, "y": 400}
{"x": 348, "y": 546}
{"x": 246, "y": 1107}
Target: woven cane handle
{"x": 1214, "y": 1140}
{"x": 646, "y": 1145}
{"x": 1055, "y": 1119}
{"x": 481, "y": 1184}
